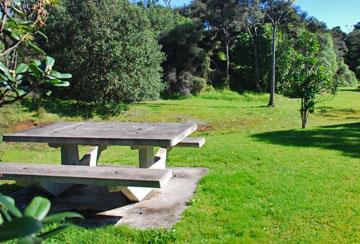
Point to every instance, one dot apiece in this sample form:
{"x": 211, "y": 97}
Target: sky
{"x": 343, "y": 13}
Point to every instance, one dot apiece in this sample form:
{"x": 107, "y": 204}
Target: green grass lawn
{"x": 269, "y": 181}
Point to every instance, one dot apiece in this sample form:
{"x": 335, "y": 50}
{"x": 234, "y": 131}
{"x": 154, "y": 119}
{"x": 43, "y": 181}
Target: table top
{"x": 106, "y": 133}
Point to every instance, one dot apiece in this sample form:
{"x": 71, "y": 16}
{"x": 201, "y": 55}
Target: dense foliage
{"x": 110, "y": 49}
{"x": 353, "y": 54}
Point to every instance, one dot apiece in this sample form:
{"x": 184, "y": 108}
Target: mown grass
{"x": 269, "y": 181}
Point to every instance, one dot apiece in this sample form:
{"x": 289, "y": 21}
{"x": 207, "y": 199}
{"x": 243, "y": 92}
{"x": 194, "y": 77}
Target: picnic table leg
{"x": 69, "y": 156}
{"x": 146, "y": 160}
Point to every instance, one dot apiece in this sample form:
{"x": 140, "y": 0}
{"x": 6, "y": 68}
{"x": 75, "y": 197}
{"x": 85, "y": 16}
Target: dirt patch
{"x": 27, "y": 124}
{"x": 205, "y": 128}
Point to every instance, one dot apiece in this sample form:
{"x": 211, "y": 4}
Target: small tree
{"x": 275, "y": 10}
{"x": 308, "y": 78}
{"x": 110, "y": 49}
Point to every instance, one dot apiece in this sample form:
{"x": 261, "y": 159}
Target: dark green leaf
{"x": 42, "y": 34}
{"x": 59, "y": 75}
{"x": 21, "y": 68}
{"x": 6, "y": 215}
{"x": 18, "y": 228}
{"x": 9, "y": 205}
{"x": 35, "y": 69}
{"x": 36, "y": 48}
{"x": 59, "y": 83}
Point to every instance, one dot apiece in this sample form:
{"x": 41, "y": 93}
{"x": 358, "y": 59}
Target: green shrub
{"x": 198, "y": 84}
{"x": 109, "y": 47}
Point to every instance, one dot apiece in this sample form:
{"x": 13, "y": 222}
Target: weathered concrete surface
{"x": 108, "y": 175}
{"x": 160, "y": 209}
{"x": 106, "y": 133}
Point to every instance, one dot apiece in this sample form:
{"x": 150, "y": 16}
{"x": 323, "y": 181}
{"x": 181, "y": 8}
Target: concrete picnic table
{"x": 139, "y": 136}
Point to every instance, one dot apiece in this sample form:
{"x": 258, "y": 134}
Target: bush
{"x": 109, "y": 47}
{"x": 198, "y": 84}
{"x": 184, "y": 58}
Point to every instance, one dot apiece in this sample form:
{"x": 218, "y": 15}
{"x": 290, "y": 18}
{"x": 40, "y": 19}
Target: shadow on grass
{"x": 343, "y": 137}
{"x": 71, "y": 108}
{"x": 62, "y": 108}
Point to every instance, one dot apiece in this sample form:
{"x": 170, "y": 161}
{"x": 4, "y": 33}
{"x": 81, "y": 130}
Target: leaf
{"x": 21, "y": 68}
{"x": 61, "y": 217}
{"x": 53, "y": 232}
{"x": 8, "y": 203}
{"x": 18, "y": 11}
{"x": 222, "y": 56}
{"x": 36, "y": 48}
{"x": 35, "y": 69}
{"x": 42, "y": 34}
{"x": 38, "y": 208}
{"x": 59, "y": 75}
{"x": 18, "y": 228}
{"x": 50, "y": 61}
{"x": 4, "y": 69}
{"x": 10, "y": 33}
{"x": 3, "y": 77}
{"x": 59, "y": 83}
{"x": 21, "y": 92}
{"x": 6, "y": 215}
{"x": 15, "y": 36}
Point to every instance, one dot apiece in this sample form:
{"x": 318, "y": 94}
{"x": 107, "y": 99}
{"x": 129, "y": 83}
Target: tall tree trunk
{"x": 256, "y": 56}
{"x": 227, "y": 64}
{"x": 272, "y": 85}
{"x": 304, "y": 114}
{"x": 257, "y": 71}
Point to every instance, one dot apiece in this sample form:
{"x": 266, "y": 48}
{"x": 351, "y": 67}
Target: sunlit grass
{"x": 269, "y": 181}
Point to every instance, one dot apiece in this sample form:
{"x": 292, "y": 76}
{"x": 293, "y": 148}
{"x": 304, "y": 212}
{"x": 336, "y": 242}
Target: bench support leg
{"x": 146, "y": 160}
{"x": 91, "y": 158}
{"x": 69, "y": 156}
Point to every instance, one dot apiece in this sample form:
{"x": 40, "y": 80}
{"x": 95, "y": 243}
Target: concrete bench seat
{"x": 71, "y": 174}
{"x": 197, "y": 142}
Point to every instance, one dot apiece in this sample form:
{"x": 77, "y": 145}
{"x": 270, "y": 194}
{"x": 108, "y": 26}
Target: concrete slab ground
{"x": 161, "y": 209}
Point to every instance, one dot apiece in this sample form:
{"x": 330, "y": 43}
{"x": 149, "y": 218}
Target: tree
{"x": 309, "y": 77}
{"x": 339, "y": 38}
{"x": 186, "y": 62}
{"x": 275, "y": 10}
{"x": 20, "y": 72}
{"x": 224, "y": 19}
{"x": 352, "y": 58}
{"x": 253, "y": 18}
{"x": 109, "y": 47}
{"x": 163, "y": 19}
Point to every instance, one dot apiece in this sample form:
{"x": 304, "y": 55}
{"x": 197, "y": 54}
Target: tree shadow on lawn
{"x": 342, "y": 137}
{"x": 60, "y": 107}
{"x": 71, "y": 108}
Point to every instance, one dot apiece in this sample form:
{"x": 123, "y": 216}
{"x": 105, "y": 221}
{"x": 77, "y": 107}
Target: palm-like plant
{"x": 27, "y": 227}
